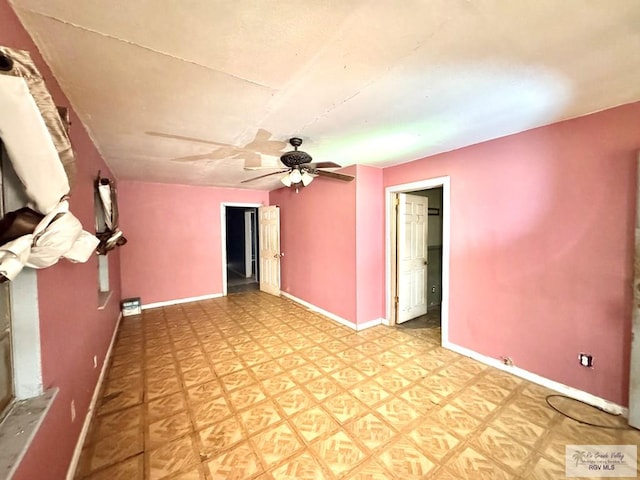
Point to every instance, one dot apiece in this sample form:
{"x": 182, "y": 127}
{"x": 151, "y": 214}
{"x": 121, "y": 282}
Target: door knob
{"x": 278, "y": 255}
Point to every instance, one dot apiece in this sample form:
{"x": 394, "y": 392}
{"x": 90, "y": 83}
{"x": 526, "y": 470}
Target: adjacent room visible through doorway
{"x": 417, "y": 256}
{"x": 429, "y": 295}
{"x": 242, "y": 263}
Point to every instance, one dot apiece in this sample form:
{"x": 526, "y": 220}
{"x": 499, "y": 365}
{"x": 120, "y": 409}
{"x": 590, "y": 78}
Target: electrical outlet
{"x": 95, "y": 361}
{"x": 433, "y": 289}
{"x": 585, "y": 360}
{"x": 73, "y": 410}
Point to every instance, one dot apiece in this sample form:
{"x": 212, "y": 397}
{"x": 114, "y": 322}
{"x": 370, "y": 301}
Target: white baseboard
{"x": 371, "y": 323}
{"x": 313, "y": 308}
{"x": 561, "y": 388}
{"x": 342, "y": 321}
{"x": 94, "y": 399}
{"x": 181, "y": 300}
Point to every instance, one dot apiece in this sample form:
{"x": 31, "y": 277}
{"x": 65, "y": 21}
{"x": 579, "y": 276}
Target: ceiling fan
{"x": 300, "y": 170}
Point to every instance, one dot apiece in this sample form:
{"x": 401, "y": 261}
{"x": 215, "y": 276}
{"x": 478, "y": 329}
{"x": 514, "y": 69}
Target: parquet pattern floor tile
{"x": 255, "y": 387}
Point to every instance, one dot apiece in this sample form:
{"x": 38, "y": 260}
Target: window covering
{"x": 38, "y": 146}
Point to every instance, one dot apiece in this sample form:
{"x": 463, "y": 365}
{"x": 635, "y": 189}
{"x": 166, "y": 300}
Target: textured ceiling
{"x": 192, "y": 92}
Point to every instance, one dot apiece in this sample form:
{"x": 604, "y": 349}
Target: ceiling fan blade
{"x": 260, "y": 145}
{"x": 324, "y": 165}
{"x": 263, "y": 163}
{"x": 266, "y": 175}
{"x": 338, "y": 176}
{"x": 188, "y": 139}
{"x": 262, "y": 167}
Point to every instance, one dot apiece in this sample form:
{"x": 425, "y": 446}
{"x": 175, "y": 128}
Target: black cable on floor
{"x": 582, "y": 421}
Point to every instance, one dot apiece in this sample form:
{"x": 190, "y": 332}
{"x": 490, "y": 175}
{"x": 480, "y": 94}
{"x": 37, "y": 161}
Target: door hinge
{"x": 396, "y": 300}
{"x": 396, "y": 201}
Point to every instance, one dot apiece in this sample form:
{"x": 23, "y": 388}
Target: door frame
{"x": 223, "y": 235}
{"x": 250, "y": 234}
{"x": 391, "y": 246}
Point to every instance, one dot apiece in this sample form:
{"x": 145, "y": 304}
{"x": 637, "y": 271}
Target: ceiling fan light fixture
{"x": 306, "y": 178}
{"x": 300, "y": 170}
{"x": 295, "y": 176}
{"x": 297, "y": 157}
{"x": 286, "y": 180}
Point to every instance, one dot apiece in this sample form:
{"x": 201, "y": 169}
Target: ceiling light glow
{"x": 286, "y": 180}
{"x": 306, "y": 178}
{"x": 295, "y": 176}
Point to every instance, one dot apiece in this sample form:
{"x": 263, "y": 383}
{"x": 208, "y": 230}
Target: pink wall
{"x": 318, "y": 238}
{"x": 542, "y": 246}
{"x": 369, "y": 244}
{"x": 334, "y": 250}
{"x": 174, "y": 248}
{"x": 72, "y": 329}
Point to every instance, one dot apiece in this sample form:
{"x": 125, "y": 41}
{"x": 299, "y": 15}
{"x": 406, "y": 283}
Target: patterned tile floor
{"x": 252, "y": 386}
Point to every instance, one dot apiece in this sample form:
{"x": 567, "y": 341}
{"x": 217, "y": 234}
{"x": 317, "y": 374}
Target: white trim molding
{"x": 25, "y": 335}
{"x": 313, "y": 308}
{"x": 342, "y": 321}
{"x": 25, "y": 309}
{"x": 181, "y": 300}
{"x": 371, "y": 323}
{"x": 561, "y": 388}
{"x": 94, "y": 400}
{"x": 223, "y": 236}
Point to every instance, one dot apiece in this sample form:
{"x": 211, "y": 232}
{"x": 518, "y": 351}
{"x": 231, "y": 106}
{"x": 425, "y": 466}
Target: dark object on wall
{"x": 6, "y": 63}
{"x": 107, "y": 216}
{"x": 64, "y": 116}
{"x": 434, "y": 211}
{"x": 18, "y": 223}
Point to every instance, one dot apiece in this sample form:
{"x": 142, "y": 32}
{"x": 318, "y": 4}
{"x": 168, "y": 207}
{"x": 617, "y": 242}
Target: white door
{"x": 412, "y": 256}
{"x": 269, "y": 221}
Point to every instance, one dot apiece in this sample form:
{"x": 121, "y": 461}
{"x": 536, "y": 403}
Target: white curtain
{"x": 37, "y": 160}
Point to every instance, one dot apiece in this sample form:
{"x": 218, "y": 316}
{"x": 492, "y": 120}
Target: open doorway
{"x": 434, "y": 257}
{"x": 417, "y": 245}
{"x": 242, "y": 253}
